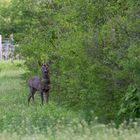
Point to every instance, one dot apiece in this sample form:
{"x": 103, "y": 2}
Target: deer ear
{"x": 46, "y": 64}
{"x": 39, "y": 63}
{"x": 49, "y": 62}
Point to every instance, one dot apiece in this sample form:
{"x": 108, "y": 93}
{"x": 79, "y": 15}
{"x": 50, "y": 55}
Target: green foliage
{"x": 16, "y": 115}
{"x": 93, "y": 47}
{"x": 18, "y": 121}
{"x": 130, "y": 107}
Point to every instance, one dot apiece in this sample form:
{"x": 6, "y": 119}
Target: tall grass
{"x": 51, "y": 122}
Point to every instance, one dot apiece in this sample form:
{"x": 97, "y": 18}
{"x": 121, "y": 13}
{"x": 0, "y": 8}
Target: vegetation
{"x": 51, "y": 122}
{"x": 93, "y": 48}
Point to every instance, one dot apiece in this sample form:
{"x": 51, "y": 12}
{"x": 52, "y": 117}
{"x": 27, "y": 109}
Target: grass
{"x": 18, "y": 121}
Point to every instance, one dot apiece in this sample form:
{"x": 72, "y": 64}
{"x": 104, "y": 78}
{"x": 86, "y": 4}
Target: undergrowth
{"x": 52, "y": 122}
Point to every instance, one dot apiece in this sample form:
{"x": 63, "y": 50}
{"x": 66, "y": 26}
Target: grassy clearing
{"x": 51, "y": 122}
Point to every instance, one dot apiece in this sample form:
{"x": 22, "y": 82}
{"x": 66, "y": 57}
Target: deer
{"x": 40, "y": 84}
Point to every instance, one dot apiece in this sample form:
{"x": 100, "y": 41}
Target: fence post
{"x": 0, "y": 47}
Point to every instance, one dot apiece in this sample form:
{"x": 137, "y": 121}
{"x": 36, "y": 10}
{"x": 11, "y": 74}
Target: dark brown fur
{"x": 41, "y": 84}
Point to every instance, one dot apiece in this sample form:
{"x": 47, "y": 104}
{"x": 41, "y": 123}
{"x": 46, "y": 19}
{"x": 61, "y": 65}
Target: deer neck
{"x": 45, "y": 76}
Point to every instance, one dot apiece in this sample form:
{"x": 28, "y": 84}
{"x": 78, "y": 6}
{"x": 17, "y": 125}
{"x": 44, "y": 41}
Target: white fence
{"x": 6, "y": 48}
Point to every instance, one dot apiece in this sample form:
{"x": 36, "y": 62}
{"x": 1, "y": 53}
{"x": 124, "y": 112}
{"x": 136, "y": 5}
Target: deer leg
{"x": 47, "y": 96}
{"x": 29, "y": 98}
{"x": 31, "y": 95}
{"x": 42, "y": 99}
